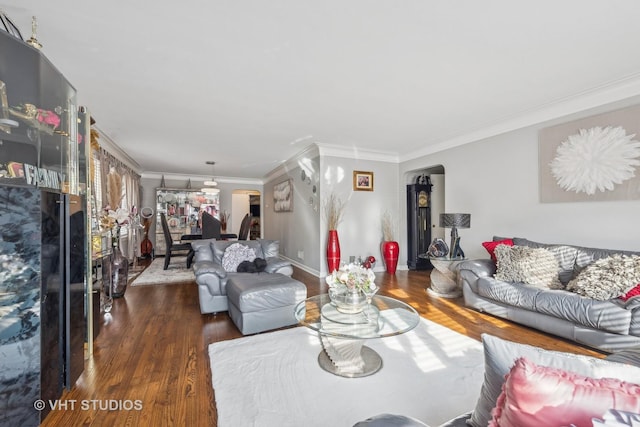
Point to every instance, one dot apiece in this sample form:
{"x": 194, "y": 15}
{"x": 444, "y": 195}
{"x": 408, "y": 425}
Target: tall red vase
{"x": 333, "y": 251}
{"x": 390, "y": 251}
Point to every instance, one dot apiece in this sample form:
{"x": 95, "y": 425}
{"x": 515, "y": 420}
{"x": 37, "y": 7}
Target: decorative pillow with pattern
{"x": 534, "y": 266}
{"x": 235, "y": 254}
{"x": 607, "y": 278}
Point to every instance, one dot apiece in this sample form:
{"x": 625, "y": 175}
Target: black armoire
{"x": 418, "y": 223}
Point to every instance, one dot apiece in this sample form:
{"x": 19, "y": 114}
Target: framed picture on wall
{"x": 283, "y": 197}
{"x": 362, "y": 181}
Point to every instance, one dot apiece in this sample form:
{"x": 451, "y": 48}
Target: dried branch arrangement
{"x": 387, "y": 227}
{"x": 333, "y": 210}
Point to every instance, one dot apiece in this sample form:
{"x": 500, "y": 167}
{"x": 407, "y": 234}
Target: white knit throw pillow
{"x": 607, "y": 278}
{"x": 534, "y": 266}
{"x": 235, "y": 254}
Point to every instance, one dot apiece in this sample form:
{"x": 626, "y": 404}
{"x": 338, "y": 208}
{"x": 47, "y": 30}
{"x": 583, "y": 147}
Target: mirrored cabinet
{"x": 182, "y": 208}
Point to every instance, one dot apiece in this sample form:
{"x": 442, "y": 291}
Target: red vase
{"x": 333, "y": 251}
{"x": 390, "y": 251}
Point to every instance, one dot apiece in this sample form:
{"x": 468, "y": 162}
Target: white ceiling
{"x": 250, "y": 84}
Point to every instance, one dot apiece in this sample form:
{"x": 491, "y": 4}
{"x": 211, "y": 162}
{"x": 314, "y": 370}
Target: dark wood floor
{"x": 153, "y": 349}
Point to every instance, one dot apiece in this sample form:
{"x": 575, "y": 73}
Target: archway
{"x": 425, "y": 203}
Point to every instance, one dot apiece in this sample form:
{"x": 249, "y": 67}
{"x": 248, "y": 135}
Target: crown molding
{"x": 310, "y": 151}
{"x": 219, "y": 179}
{"x": 114, "y": 149}
{"x": 320, "y": 149}
{"x": 608, "y": 93}
{"x": 356, "y": 153}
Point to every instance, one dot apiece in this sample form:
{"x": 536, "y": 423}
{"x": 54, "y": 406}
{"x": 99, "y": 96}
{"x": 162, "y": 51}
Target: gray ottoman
{"x": 263, "y": 301}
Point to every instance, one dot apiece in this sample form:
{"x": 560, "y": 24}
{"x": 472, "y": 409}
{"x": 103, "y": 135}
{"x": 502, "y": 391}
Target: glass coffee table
{"x": 343, "y": 335}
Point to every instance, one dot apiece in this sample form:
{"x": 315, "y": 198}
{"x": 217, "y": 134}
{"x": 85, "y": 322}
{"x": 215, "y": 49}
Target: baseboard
{"x": 301, "y": 266}
{"x": 378, "y": 269}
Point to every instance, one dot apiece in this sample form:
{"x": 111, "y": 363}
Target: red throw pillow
{"x": 632, "y": 293}
{"x": 491, "y": 246}
{"x": 534, "y": 395}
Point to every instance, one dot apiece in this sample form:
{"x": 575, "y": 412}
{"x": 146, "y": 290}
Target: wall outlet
{"x": 301, "y": 254}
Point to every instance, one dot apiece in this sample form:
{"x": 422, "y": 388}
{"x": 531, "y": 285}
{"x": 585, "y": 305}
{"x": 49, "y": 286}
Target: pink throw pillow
{"x": 491, "y": 246}
{"x": 534, "y": 396}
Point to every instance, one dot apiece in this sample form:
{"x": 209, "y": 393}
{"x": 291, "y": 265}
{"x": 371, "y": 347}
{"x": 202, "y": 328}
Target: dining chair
{"x": 173, "y": 247}
{"x": 211, "y": 227}
{"x": 243, "y": 234}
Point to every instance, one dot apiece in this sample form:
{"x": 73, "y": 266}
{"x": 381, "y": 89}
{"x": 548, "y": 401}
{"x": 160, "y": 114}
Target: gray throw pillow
{"x": 566, "y": 257}
{"x": 500, "y": 355}
{"x": 202, "y": 250}
{"x": 270, "y": 248}
{"x": 534, "y": 266}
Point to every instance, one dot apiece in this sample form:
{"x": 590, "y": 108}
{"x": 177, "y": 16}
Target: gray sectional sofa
{"x": 249, "y": 280}
{"x": 212, "y": 278}
{"x": 609, "y": 325}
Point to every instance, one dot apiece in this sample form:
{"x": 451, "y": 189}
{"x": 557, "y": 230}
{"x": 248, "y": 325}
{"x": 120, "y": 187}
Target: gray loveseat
{"x": 609, "y": 325}
{"x": 212, "y": 278}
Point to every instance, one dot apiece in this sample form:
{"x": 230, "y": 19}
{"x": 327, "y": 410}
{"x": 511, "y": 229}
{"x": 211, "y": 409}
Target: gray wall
{"x": 298, "y": 231}
{"x": 304, "y": 229}
{"x": 496, "y": 181}
{"x": 360, "y": 232}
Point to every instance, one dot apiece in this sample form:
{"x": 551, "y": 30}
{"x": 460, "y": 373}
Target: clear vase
{"x": 106, "y": 296}
{"x": 119, "y": 271}
{"x": 348, "y": 301}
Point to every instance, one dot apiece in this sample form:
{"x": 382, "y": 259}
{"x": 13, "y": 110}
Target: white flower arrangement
{"x": 353, "y": 276}
{"x": 112, "y": 218}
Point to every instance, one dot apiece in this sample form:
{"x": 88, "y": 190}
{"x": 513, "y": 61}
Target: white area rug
{"x": 155, "y": 275}
{"x": 274, "y": 380}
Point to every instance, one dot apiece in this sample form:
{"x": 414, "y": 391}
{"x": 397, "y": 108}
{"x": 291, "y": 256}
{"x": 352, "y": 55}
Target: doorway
{"x": 246, "y": 202}
{"x": 425, "y": 203}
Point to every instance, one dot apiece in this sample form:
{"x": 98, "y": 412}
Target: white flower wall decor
{"x": 595, "y": 159}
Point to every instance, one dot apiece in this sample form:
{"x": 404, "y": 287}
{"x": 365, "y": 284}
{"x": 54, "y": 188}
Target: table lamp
{"x": 455, "y": 221}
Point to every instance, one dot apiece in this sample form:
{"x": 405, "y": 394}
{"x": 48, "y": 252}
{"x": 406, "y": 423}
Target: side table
{"x": 444, "y": 282}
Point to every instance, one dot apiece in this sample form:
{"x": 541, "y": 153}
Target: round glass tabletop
{"x": 441, "y": 258}
{"x": 383, "y": 318}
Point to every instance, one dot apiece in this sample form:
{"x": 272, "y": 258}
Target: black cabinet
{"x": 43, "y": 246}
{"x": 42, "y": 321}
{"x": 418, "y": 225}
